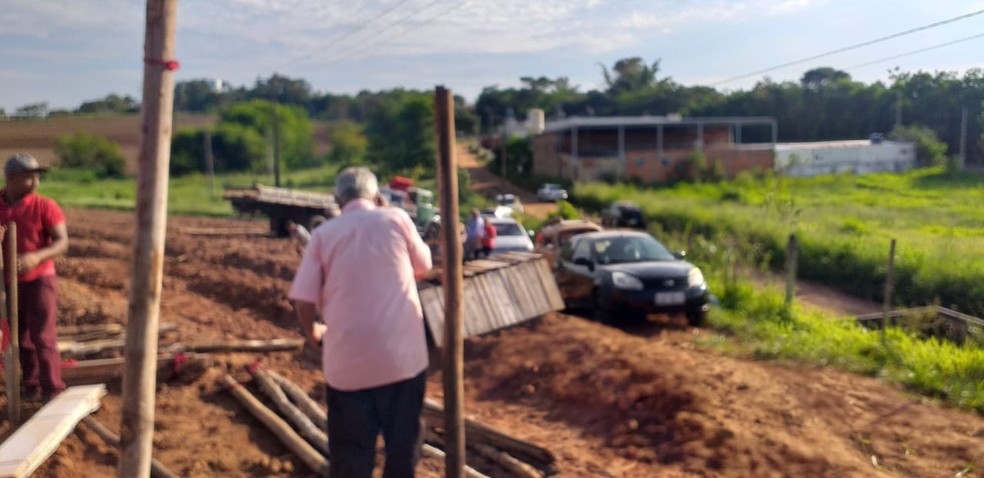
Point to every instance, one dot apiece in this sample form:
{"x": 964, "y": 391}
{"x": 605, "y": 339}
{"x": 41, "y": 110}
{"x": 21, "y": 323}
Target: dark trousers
{"x": 37, "y": 308}
{"x": 356, "y": 418}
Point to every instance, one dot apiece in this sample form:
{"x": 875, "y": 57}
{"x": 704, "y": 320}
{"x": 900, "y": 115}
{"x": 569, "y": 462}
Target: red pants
{"x": 37, "y": 310}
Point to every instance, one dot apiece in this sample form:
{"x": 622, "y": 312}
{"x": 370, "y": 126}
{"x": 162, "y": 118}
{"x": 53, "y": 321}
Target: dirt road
{"x": 488, "y": 185}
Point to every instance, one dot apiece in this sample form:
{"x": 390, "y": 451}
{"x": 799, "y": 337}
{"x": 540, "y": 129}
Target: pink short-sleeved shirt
{"x": 359, "y": 270}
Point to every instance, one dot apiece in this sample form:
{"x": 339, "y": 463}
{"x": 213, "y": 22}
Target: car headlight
{"x": 626, "y": 281}
{"x": 695, "y": 278}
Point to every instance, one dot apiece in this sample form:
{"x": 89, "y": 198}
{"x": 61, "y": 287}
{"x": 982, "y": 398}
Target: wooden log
{"x": 509, "y": 462}
{"x": 314, "y": 460}
{"x": 479, "y": 432}
{"x": 81, "y": 333}
{"x": 157, "y": 470}
{"x": 275, "y": 345}
{"x": 300, "y": 398}
{"x": 434, "y": 452}
{"x": 108, "y": 370}
{"x": 301, "y": 422}
{"x": 37, "y": 439}
{"x": 92, "y": 347}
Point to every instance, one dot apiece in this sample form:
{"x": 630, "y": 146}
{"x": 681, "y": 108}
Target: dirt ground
{"x": 640, "y": 401}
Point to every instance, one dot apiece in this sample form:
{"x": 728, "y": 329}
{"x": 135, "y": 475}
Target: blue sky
{"x": 65, "y": 52}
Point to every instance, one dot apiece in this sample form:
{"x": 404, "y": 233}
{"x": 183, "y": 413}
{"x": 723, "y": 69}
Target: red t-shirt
{"x": 488, "y": 240}
{"x": 35, "y": 216}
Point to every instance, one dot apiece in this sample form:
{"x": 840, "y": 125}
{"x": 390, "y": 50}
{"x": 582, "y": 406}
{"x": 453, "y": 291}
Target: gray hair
{"x": 356, "y": 183}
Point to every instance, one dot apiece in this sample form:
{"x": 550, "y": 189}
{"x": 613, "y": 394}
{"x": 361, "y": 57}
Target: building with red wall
{"x": 651, "y": 149}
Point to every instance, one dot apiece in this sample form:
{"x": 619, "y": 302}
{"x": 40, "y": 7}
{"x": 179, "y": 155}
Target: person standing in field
{"x": 474, "y": 231}
{"x": 41, "y": 236}
{"x": 360, "y": 270}
{"x": 488, "y": 238}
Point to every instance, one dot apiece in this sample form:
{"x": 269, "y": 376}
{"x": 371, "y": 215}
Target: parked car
{"x": 510, "y": 236}
{"x": 550, "y": 238}
{"x": 625, "y": 275}
{"x": 498, "y": 211}
{"x": 551, "y": 192}
{"x": 623, "y": 214}
{"x": 510, "y": 201}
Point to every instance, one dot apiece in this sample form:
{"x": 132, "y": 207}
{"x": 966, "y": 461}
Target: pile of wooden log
{"x": 300, "y": 423}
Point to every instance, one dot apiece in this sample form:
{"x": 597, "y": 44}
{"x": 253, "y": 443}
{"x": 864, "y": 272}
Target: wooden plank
{"x": 108, "y": 370}
{"x": 273, "y": 345}
{"x": 37, "y": 439}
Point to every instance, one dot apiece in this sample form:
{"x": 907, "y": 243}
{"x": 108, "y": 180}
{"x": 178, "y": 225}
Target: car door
{"x": 578, "y": 279}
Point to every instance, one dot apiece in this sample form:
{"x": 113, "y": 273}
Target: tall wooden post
{"x": 139, "y": 377}
{"x": 889, "y": 280}
{"x": 454, "y": 392}
{"x": 792, "y": 250}
{"x": 13, "y": 373}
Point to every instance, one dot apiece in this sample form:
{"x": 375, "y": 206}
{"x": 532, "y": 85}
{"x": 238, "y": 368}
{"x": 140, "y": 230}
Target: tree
{"x": 930, "y": 151}
{"x": 292, "y": 125}
{"x": 196, "y": 96}
{"x": 401, "y": 134}
{"x": 90, "y": 152}
{"x": 818, "y": 78}
{"x": 348, "y": 144}
{"x": 630, "y": 74}
{"x": 110, "y": 104}
{"x": 32, "y": 110}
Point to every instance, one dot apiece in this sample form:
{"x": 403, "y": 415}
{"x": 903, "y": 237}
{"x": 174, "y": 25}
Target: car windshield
{"x": 551, "y": 186}
{"x": 507, "y": 229}
{"x": 620, "y": 250}
{"x": 507, "y": 200}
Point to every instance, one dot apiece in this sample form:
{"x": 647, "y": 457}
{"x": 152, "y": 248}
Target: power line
{"x": 848, "y": 48}
{"x": 346, "y": 35}
{"x": 440, "y": 14}
{"x": 913, "y": 52}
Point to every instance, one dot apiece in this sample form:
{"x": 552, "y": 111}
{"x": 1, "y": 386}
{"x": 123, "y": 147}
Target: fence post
{"x": 792, "y": 250}
{"x": 889, "y": 278}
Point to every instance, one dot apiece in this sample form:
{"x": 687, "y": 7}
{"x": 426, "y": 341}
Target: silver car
{"x": 510, "y": 236}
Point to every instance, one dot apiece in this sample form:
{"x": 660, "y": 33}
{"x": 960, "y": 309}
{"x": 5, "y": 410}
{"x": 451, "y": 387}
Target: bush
{"x": 95, "y": 153}
{"x": 930, "y": 151}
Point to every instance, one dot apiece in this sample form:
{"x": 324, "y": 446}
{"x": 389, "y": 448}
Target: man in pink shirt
{"x": 359, "y": 270}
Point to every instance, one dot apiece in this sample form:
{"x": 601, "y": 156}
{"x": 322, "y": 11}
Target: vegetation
{"x": 844, "y": 225}
{"x": 96, "y": 154}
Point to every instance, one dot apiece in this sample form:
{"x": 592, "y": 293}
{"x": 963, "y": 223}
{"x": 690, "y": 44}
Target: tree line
{"x": 393, "y": 129}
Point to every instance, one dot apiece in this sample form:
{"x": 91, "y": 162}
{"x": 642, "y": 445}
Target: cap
{"x": 22, "y": 162}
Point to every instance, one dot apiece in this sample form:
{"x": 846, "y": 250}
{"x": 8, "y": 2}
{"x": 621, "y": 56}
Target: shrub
{"x": 95, "y": 153}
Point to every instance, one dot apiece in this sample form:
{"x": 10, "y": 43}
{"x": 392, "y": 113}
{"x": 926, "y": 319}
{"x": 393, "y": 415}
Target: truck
{"x": 282, "y": 205}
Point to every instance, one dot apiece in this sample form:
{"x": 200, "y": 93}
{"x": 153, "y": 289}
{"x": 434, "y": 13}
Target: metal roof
{"x": 614, "y": 121}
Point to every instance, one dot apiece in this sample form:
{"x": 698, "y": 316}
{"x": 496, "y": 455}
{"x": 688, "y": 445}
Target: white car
{"x": 509, "y": 236}
{"x": 551, "y": 192}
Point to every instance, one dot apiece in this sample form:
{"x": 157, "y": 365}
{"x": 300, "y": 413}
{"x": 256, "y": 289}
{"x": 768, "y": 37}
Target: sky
{"x": 64, "y": 52}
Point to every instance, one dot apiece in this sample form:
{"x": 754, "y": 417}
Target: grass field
{"x": 844, "y": 225}
{"x": 37, "y": 137}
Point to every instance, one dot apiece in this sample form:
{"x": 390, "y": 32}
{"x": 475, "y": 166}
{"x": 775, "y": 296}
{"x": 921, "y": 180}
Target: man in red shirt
{"x": 41, "y": 236}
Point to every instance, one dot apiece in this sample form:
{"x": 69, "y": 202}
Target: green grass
{"x": 187, "y": 195}
{"x": 844, "y": 224}
{"x": 755, "y": 321}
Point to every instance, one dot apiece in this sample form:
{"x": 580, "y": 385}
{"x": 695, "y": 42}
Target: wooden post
{"x": 209, "y": 164}
{"x": 157, "y": 470}
{"x": 454, "y": 392}
{"x": 13, "y": 362}
{"x": 889, "y": 279}
{"x": 139, "y": 377}
{"x": 275, "y": 117}
{"x": 792, "y": 249}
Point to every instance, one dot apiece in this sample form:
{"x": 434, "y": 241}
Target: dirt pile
{"x": 638, "y": 402}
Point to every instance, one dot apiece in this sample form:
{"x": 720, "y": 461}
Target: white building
{"x": 832, "y": 157}
{"x": 533, "y": 125}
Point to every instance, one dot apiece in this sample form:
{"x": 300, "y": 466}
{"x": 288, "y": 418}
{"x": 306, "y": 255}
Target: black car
{"x": 629, "y": 275}
{"x": 623, "y": 214}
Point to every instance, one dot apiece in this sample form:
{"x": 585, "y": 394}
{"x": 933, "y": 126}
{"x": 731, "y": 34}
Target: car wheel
{"x": 601, "y": 311}
{"x": 697, "y": 318}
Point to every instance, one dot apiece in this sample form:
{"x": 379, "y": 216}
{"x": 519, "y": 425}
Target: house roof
{"x": 615, "y": 121}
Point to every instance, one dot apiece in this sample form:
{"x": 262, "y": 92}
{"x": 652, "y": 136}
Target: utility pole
{"x": 963, "y": 140}
{"x": 209, "y": 164}
{"x": 276, "y": 146}
{"x": 898, "y": 109}
{"x": 140, "y": 374}
{"x": 451, "y": 278}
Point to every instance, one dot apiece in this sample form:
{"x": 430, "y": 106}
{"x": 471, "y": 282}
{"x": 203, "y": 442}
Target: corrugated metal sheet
{"x": 499, "y": 292}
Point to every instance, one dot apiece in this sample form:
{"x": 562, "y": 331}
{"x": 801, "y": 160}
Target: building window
{"x": 639, "y": 162}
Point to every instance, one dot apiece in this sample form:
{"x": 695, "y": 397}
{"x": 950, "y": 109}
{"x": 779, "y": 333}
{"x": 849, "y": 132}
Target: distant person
{"x": 299, "y": 236}
{"x": 360, "y": 271}
{"x": 474, "y": 231}
{"x": 488, "y": 239}
{"x": 41, "y": 236}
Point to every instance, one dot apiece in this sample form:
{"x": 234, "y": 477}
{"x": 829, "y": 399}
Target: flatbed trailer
{"x": 281, "y": 205}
